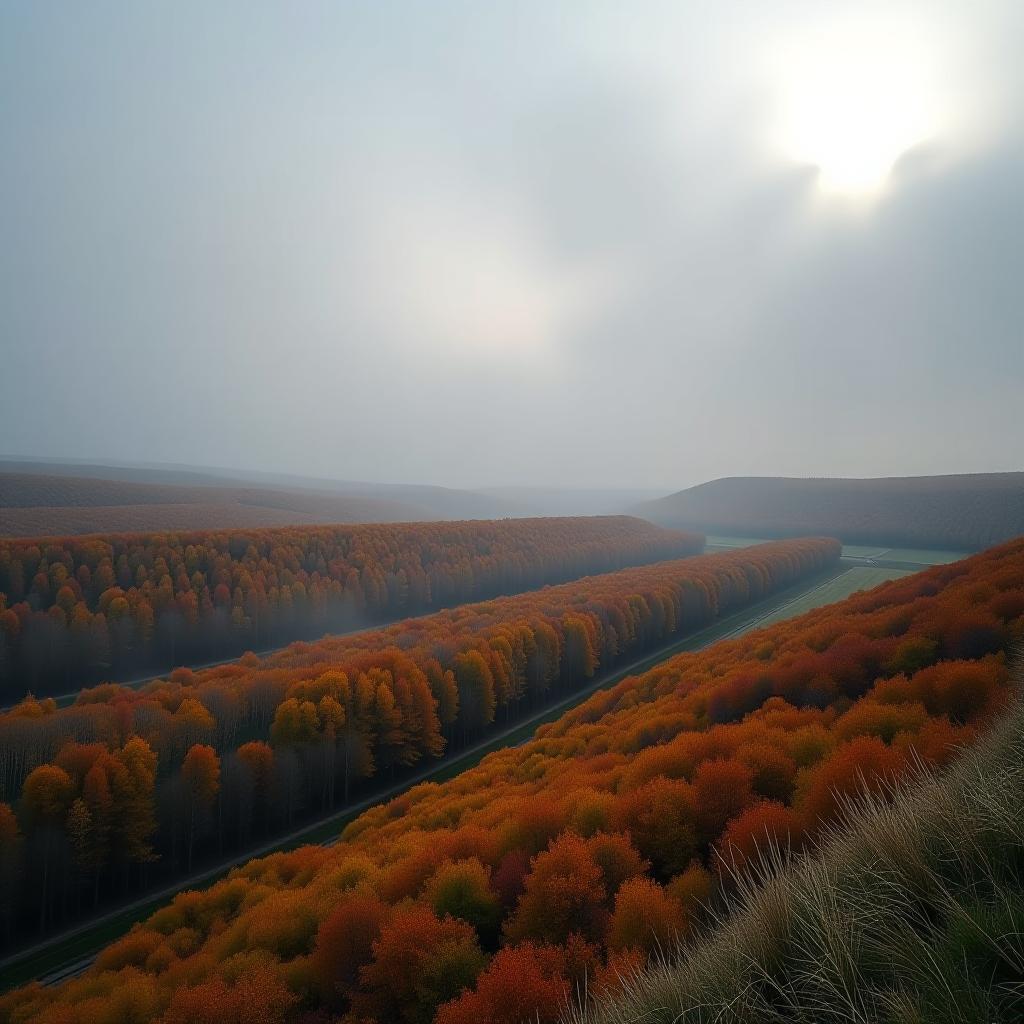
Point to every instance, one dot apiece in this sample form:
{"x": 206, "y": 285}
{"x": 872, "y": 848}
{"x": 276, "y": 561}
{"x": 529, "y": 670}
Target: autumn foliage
{"x": 248, "y": 749}
{"x": 74, "y": 610}
{"x": 601, "y": 839}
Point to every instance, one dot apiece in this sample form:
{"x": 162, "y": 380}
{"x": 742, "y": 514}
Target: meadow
{"x": 922, "y": 557}
{"x": 848, "y": 582}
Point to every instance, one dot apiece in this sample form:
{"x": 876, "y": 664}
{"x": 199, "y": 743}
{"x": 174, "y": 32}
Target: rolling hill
{"x": 964, "y": 512}
{"x": 909, "y": 912}
{"x": 39, "y": 505}
{"x": 49, "y": 499}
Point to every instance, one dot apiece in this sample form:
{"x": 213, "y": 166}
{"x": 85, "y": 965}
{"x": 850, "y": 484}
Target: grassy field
{"x": 716, "y": 542}
{"x": 923, "y": 556}
{"x": 862, "y": 551}
{"x": 847, "y": 583}
{"x": 916, "y": 556}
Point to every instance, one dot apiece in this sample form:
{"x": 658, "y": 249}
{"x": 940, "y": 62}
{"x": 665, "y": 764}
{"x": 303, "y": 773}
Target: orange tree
{"x": 77, "y": 609}
{"x": 598, "y": 839}
{"x": 343, "y": 711}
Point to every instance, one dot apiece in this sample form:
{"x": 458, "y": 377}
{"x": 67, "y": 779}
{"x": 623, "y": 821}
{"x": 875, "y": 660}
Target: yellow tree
{"x": 46, "y": 797}
{"x": 200, "y": 776}
{"x": 134, "y": 812}
{"x": 476, "y": 692}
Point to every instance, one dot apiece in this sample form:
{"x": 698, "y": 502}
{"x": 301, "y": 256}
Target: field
{"x": 923, "y": 556}
{"x": 715, "y": 541}
{"x": 833, "y": 589}
{"x": 914, "y": 556}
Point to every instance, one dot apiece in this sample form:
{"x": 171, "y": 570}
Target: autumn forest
{"x": 493, "y": 895}
{"x": 511, "y": 513}
{"x": 219, "y": 758}
{"x": 79, "y": 610}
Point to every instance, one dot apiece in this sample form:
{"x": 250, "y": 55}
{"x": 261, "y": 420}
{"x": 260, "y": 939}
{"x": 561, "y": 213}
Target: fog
{"x": 573, "y": 244}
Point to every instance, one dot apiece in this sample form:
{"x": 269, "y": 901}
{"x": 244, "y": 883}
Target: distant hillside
{"x": 32, "y": 504}
{"x": 964, "y": 512}
{"x": 42, "y": 498}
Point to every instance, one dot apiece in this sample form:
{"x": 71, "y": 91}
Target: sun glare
{"x": 852, "y": 104}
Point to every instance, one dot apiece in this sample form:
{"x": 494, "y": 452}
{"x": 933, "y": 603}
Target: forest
{"x": 964, "y": 512}
{"x": 127, "y": 786}
{"x": 549, "y": 870}
{"x": 925, "y": 878}
{"x": 76, "y": 610}
{"x": 500, "y": 502}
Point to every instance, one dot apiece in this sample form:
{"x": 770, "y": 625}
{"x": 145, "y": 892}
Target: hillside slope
{"x": 912, "y": 911}
{"x": 966, "y": 512}
{"x": 53, "y": 498}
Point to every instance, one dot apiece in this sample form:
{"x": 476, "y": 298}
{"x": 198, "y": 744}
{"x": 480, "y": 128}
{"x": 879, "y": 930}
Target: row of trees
{"x": 553, "y": 868}
{"x": 245, "y": 750}
{"x": 78, "y": 609}
{"x": 963, "y": 513}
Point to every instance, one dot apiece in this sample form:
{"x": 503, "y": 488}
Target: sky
{"x": 518, "y": 243}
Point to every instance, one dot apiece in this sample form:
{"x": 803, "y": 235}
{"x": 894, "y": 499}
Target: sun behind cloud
{"x": 853, "y": 100}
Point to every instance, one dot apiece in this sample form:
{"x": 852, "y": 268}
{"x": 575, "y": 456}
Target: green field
{"x": 843, "y": 585}
{"x": 916, "y": 556}
{"x": 732, "y": 542}
{"x": 922, "y": 556}
{"x": 862, "y": 551}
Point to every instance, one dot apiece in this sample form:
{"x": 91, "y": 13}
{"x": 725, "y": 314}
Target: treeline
{"x": 76, "y": 610}
{"x": 127, "y": 786}
{"x": 551, "y": 869}
{"x": 961, "y": 513}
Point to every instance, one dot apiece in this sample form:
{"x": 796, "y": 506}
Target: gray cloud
{"x": 464, "y": 245}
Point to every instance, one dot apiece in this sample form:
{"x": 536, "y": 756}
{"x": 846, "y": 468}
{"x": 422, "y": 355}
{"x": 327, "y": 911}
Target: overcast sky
{"x": 639, "y": 244}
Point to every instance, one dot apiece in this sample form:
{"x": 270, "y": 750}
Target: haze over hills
{"x": 48, "y": 505}
{"x": 42, "y": 497}
{"x": 474, "y": 478}
{"x": 965, "y": 511}
{"x": 573, "y": 501}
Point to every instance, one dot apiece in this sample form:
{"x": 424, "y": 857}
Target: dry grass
{"x": 912, "y": 912}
